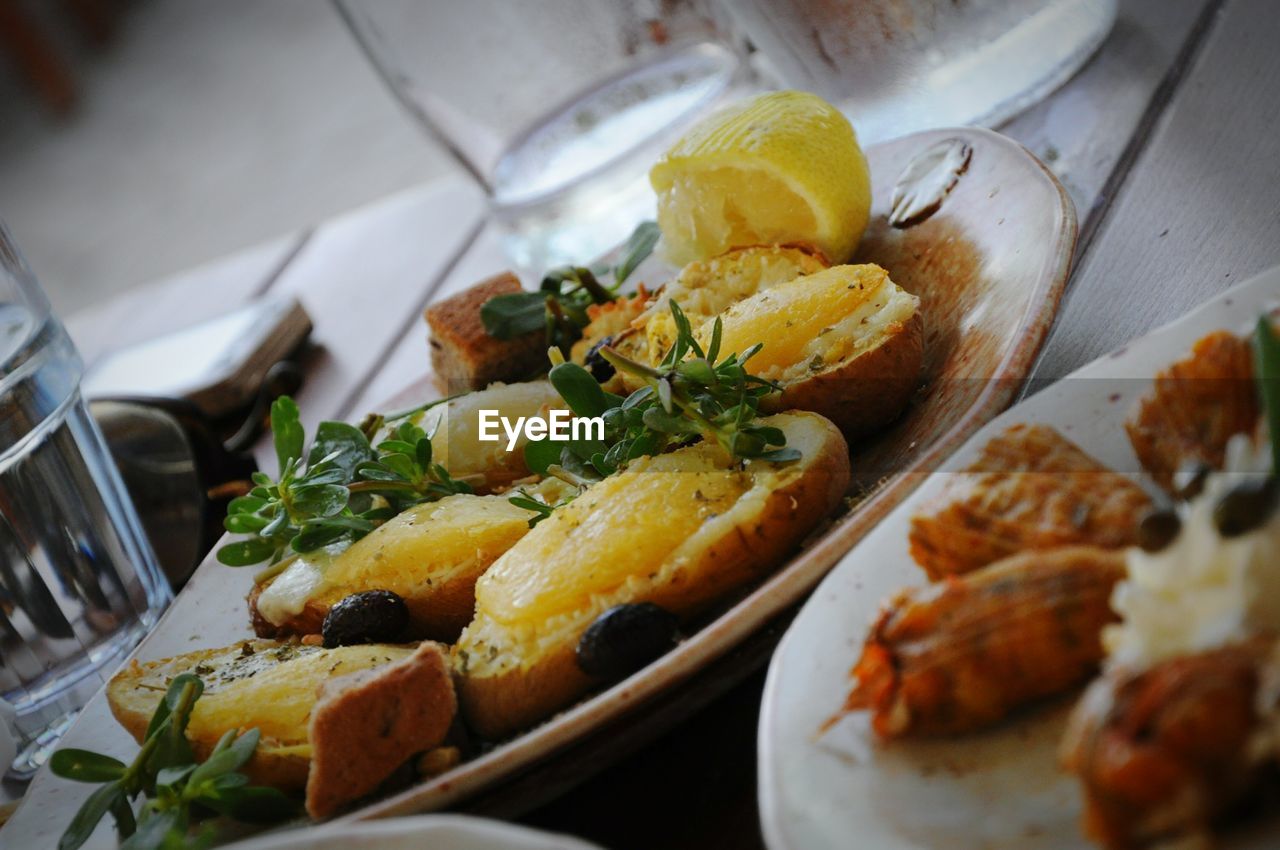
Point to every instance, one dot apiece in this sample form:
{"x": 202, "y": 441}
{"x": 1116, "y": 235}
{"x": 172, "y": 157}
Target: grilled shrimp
{"x": 1031, "y": 488}
{"x": 1166, "y": 751}
{"x": 1195, "y": 407}
{"x": 964, "y": 653}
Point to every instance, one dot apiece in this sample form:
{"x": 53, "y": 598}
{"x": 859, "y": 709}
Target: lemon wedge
{"x": 784, "y": 167}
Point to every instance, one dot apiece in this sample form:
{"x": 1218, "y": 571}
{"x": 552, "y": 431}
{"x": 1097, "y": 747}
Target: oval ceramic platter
{"x": 999, "y": 789}
{"x": 987, "y": 248}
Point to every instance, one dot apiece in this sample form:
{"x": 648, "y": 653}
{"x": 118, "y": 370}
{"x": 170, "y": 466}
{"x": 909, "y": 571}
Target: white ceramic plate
{"x": 989, "y": 266}
{"x": 1001, "y": 789}
{"x": 437, "y": 832}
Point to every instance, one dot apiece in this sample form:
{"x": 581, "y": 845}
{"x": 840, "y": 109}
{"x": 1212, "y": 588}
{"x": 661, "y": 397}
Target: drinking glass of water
{"x": 898, "y": 66}
{"x": 556, "y": 107}
{"x": 79, "y": 586}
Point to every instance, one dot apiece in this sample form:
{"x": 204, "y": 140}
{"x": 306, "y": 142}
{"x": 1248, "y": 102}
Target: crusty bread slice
{"x": 464, "y": 356}
{"x": 366, "y": 724}
{"x": 271, "y": 686}
{"x": 681, "y": 530}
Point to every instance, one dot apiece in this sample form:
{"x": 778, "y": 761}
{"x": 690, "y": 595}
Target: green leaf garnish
{"x": 176, "y": 788}
{"x": 286, "y": 431}
{"x": 688, "y": 396}
{"x": 1266, "y": 355}
{"x": 344, "y": 488}
{"x": 559, "y": 306}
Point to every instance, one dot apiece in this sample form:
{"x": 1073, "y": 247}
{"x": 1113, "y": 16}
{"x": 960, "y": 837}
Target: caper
{"x": 626, "y": 638}
{"x": 600, "y": 369}
{"x": 1188, "y": 481}
{"x": 1246, "y": 506}
{"x": 372, "y": 616}
{"x": 1158, "y": 528}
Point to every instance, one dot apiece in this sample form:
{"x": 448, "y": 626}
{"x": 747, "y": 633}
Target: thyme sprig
{"x": 178, "y": 790}
{"x": 1266, "y": 355}
{"x": 691, "y": 394}
{"x": 344, "y": 489}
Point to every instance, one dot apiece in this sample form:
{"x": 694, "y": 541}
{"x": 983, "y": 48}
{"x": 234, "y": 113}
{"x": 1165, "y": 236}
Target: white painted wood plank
{"x": 179, "y": 301}
{"x": 1198, "y": 212}
{"x": 1082, "y": 130}
{"x": 410, "y": 360}
{"x": 363, "y": 278}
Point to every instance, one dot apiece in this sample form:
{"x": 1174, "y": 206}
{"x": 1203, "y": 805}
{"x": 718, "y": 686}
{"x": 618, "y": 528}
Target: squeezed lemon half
{"x": 784, "y": 167}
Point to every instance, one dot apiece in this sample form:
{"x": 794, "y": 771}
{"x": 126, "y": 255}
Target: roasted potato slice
{"x": 273, "y": 687}
{"x": 707, "y": 288}
{"x": 680, "y": 530}
{"x": 430, "y": 555}
{"x": 846, "y": 342}
{"x": 454, "y": 428}
{"x": 612, "y": 324}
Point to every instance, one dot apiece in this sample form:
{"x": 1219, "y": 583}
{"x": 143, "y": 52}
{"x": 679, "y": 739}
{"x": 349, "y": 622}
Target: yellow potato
{"x": 454, "y": 428}
{"x": 430, "y": 555}
{"x": 255, "y": 684}
{"x": 680, "y": 530}
{"x": 846, "y": 342}
{"x": 706, "y": 289}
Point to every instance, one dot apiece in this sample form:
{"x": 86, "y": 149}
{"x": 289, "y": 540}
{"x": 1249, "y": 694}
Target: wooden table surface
{"x": 1166, "y": 141}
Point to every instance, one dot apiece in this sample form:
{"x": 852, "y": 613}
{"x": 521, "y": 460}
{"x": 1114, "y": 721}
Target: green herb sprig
{"x": 541, "y": 510}
{"x": 344, "y": 489}
{"x": 1266, "y": 356}
{"x": 559, "y": 306}
{"x": 179, "y": 791}
{"x": 692, "y": 394}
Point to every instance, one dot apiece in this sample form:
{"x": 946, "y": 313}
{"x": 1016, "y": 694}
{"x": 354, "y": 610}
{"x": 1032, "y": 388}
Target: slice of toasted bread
{"x": 464, "y": 356}
{"x": 267, "y": 685}
{"x": 1031, "y": 488}
{"x": 680, "y": 530}
{"x": 367, "y": 724}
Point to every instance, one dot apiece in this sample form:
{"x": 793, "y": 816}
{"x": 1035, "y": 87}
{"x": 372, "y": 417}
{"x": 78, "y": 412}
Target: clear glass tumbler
{"x": 556, "y": 107}
{"x": 898, "y": 66}
{"x": 79, "y": 586}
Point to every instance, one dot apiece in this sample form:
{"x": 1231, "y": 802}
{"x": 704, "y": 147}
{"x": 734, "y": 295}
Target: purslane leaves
{"x": 342, "y": 491}
{"x": 559, "y": 306}
{"x": 177, "y": 789}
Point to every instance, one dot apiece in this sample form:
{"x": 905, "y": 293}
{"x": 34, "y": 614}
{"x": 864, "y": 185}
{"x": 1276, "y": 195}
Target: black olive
{"x": 600, "y": 369}
{"x": 1188, "y": 482}
{"x": 1158, "y": 528}
{"x": 1246, "y": 506}
{"x": 626, "y": 638}
{"x": 374, "y": 616}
